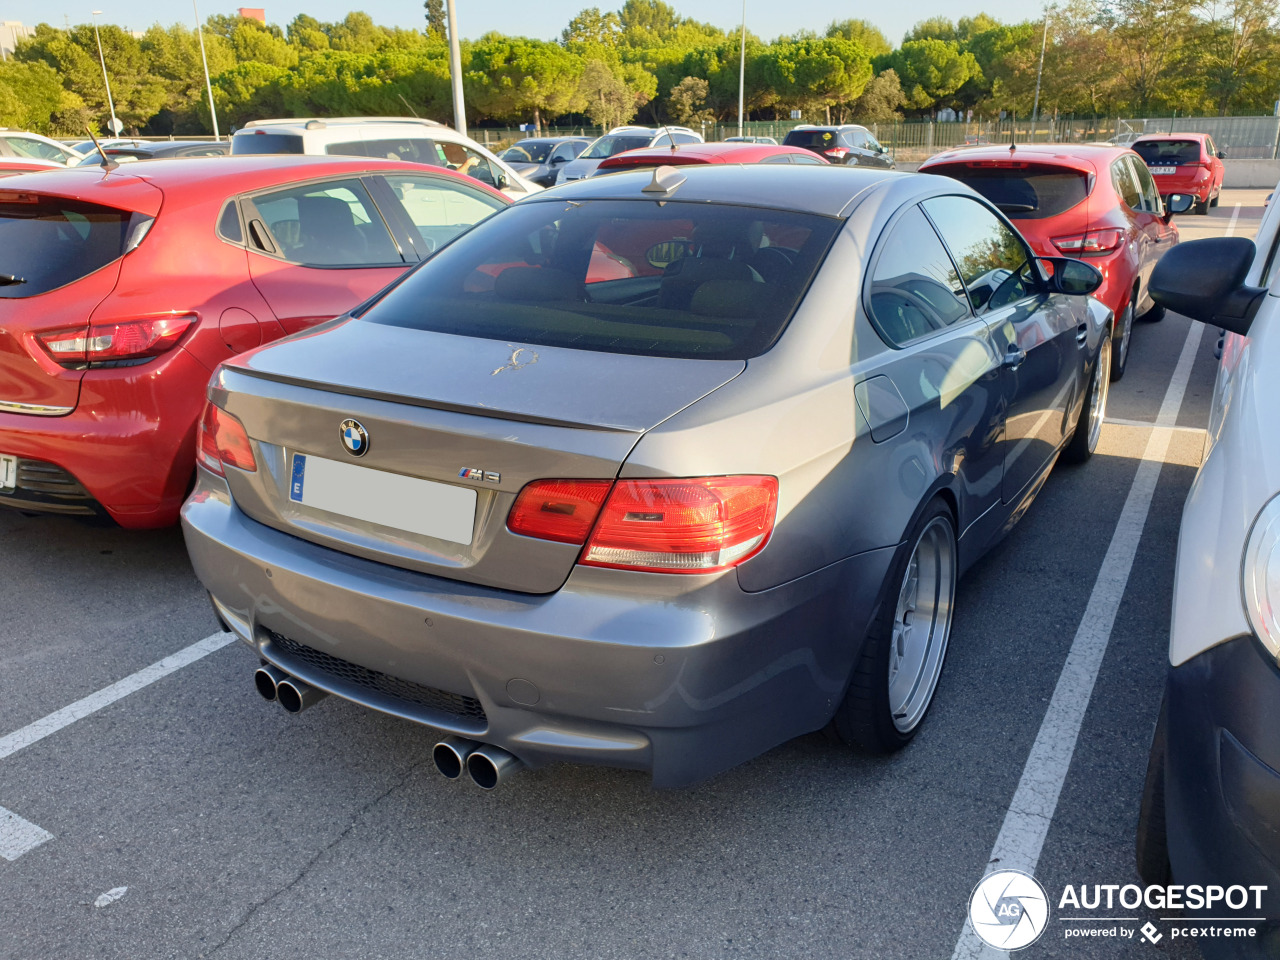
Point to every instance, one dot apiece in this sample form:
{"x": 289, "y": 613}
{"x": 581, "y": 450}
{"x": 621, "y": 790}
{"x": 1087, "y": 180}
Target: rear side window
{"x": 1126, "y": 184}
{"x": 915, "y": 290}
{"x": 332, "y": 224}
{"x": 266, "y": 143}
{"x": 48, "y": 242}
{"x": 1023, "y": 193}
{"x": 229, "y": 224}
{"x": 608, "y": 146}
{"x": 811, "y": 138}
{"x": 413, "y": 150}
{"x": 654, "y": 278}
{"x": 1161, "y": 153}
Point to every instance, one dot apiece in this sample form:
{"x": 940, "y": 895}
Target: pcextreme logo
{"x": 1009, "y": 910}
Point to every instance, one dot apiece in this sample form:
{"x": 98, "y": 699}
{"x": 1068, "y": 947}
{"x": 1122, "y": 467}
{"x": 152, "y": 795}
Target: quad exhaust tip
{"x": 267, "y": 680}
{"x": 450, "y": 756}
{"x": 490, "y": 766}
{"x": 296, "y": 696}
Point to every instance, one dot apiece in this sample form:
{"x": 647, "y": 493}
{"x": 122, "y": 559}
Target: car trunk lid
{"x": 454, "y": 427}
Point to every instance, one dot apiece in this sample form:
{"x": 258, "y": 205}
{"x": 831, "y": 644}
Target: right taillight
{"x": 698, "y": 525}
{"x": 1094, "y": 243}
{"x": 223, "y": 440}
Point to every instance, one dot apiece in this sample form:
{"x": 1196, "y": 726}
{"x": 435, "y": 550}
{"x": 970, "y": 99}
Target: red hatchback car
{"x": 1095, "y": 202}
{"x": 1184, "y": 163}
{"x": 693, "y": 153}
{"x": 121, "y": 292}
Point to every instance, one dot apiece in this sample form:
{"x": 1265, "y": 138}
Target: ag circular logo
{"x": 1009, "y": 910}
{"x": 354, "y": 437}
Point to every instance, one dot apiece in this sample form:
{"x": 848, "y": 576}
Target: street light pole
{"x": 1035, "y": 110}
{"x": 455, "y": 69}
{"x": 213, "y": 113}
{"x": 115, "y": 124}
{"x": 742, "y": 67}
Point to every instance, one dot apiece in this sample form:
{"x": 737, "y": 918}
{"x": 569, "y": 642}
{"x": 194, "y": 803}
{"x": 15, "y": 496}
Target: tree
{"x": 607, "y": 99}
{"x": 32, "y": 98}
{"x": 688, "y": 99}
{"x": 1235, "y": 49}
{"x": 514, "y": 77}
{"x": 591, "y": 27}
{"x": 817, "y": 74}
{"x": 930, "y": 70}
{"x": 253, "y": 42}
{"x": 308, "y": 34}
{"x": 880, "y": 101}
{"x": 1146, "y": 39}
{"x": 863, "y": 32}
{"x": 357, "y": 33}
{"x": 435, "y": 19}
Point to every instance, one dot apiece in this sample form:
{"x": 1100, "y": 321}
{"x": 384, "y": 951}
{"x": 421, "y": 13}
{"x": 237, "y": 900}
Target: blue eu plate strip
{"x": 295, "y": 482}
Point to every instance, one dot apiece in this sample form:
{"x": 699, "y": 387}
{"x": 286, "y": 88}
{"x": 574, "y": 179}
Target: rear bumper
{"x": 1223, "y": 783}
{"x": 682, "y": 680}
{"x": 1200, "y": 183}
{"x": 126, "y": 451}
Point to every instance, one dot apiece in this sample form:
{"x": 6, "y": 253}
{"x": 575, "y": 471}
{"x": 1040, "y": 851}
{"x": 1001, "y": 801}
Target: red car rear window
{"x": 1163, "y": 153}
{"x": 48, "y": 242}
{"x": 1023, "y": 193}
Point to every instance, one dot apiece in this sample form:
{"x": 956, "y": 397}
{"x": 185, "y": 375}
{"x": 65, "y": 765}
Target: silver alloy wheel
{"x": 1098, "y": 393}
{"x": 922, "y": 624}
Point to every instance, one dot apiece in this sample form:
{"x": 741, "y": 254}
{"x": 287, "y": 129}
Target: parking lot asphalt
{"x": 241, "y": 832}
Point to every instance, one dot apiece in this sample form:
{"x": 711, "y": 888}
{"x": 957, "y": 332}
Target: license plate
{"x": 8, "y": 472}
{"x": 1158, "y": 171}
{"x": 442, "y": 511}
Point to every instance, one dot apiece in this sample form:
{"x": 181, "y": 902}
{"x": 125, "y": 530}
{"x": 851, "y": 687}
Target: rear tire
{"x": 1121, "y": 345}
{"x": 1089, "y": 427}
{"x": 1214, "y": 201}
{"x": 897, "y": 673}
{"x": 1152, "y": 840}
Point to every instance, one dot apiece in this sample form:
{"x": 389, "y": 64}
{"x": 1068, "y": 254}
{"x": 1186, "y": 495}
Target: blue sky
{"x": 534, "y": 18}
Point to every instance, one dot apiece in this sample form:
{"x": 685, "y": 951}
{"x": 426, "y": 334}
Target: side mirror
{"x": 1204, "y": 280}
{"x": 1073, "y": 277}
{"x": 555, "y": 160}
{"x": 1222, "y": 154}
{"x": 501, "y": 181}
{"x": 1177, "y": 203}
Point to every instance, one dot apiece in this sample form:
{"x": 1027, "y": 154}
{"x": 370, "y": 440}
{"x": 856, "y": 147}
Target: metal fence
{"x": 1240, "y": 138}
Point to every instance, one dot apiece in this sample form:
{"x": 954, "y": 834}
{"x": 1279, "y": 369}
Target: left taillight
{"x": 223, "y": 440}
{"x": 122, "y": 340}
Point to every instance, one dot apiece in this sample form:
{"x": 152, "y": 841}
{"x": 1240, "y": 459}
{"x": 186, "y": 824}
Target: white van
{"x": 393, "y": 138}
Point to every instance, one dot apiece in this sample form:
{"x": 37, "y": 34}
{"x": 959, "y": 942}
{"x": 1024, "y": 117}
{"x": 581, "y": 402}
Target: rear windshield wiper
{"x": 1017, "y": 207}
{"x": 9, "y": 280}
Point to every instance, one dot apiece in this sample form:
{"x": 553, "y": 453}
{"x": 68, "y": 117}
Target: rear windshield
{"x": 661, "y": 279}
{"x": 608, "y": 146}
{"x": 48, "y": 242}
{"x": 1023, "y": 193}
{"x": 266, "y": 143}
{"x": 812, "y": 138}
{"x": 527, "y": 151}
{"x": 1164, "y": 152}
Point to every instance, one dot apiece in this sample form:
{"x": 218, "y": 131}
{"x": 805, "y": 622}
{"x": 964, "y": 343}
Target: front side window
{"x": 36, "y": 149}
{"x": 332, "y": 224}
{"x": 440, "y": 210}
{"x": 469, "y": 162}
{"x": 655, "y": 278}
{"x": 915, "y": 290}
{"x": 994, "y": 263}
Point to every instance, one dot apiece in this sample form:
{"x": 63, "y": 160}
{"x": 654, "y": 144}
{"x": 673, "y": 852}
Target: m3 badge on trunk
{"x": 355, "y": 438}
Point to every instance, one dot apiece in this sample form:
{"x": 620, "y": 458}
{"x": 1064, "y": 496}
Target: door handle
{"x": 1082, "y": 333}
{"x": 1014, "y": 356}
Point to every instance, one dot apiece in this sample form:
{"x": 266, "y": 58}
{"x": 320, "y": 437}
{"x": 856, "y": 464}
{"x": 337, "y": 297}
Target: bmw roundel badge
{"x": 355, "y": 438}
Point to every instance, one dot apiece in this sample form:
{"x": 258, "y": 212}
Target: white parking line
{"x": 17, "y": 836}
{"x": 1034, "y": 803}
{"x": 1231, "y": 224}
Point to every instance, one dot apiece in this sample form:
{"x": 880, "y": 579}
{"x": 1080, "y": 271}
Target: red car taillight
{"x": 124, "y": 340}
{"x": 1095, "y": 243}
{"x": 683, "y": 526}
{"x": 561, "y": 510}
{"x": 699, "y": 525}
{"x": 836, "y": 152}
{"x": 223, "y": 440}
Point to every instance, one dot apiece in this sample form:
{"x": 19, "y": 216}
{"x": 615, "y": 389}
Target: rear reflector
{"x": 124, "y": 340}
{"x": 1095, "y": 243}
{"x": 560, "y": 510}
{"x": 699, "y": 525}
{"x": 223, "y": 440}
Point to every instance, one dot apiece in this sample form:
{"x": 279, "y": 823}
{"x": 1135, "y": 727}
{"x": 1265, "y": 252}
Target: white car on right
{"x": 1210, "y": 812}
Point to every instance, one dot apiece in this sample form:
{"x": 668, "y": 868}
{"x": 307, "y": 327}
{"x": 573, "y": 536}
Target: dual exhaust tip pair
{"x": 487, "y": 765}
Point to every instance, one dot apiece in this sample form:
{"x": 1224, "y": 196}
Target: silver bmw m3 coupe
{"x": 656, "y": 470}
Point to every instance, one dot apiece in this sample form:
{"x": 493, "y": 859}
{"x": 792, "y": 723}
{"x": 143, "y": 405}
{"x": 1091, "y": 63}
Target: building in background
{"x": 11, "y": 31}
{"x": 253, "y": 13}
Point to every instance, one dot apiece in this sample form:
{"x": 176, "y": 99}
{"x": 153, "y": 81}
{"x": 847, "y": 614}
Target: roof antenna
{"x": 407, "y": 104}
{"x": 107, "y": 163}
{"x": 670, "y": 136}
{"x": 665, "y": 182}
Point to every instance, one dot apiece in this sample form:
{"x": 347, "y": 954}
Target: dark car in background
{"x": 1092, "y": 201}
{"x": 662, "y": 521}
{"x": 540, "y": 158}
{"x": 157, "y": 150}
{"x": 1184, "y": 163}
{"x": 851, "y": 144}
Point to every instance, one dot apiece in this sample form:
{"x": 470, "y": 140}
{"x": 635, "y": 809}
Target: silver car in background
{"x": 656, "y": 470}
